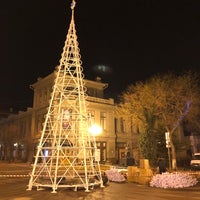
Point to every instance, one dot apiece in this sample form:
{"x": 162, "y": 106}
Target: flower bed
{"x": 115, "y": 175}
{"x": 173, "y": 180}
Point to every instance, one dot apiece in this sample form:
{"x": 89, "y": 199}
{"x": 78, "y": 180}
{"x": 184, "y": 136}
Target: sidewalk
{"x": 15, "y": 188}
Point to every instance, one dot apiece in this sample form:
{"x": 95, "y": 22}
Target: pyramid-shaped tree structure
{"x": 66, "y": 152}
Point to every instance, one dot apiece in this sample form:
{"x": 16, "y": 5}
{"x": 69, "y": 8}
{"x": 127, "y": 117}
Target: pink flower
{"x": 173, "y": 180}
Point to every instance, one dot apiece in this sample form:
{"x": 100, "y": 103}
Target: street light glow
{"x": 95, "y": 130}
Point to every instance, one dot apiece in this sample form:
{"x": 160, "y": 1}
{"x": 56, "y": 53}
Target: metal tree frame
{"x": 66, "y": 152}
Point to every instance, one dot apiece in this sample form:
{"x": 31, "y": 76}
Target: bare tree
{"x": 170, "y": 98}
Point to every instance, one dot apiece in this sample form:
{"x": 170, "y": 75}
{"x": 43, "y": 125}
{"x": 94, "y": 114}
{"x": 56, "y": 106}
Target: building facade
{"x": 20, "y": 133}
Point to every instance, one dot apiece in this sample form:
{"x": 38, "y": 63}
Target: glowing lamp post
{"x": 95, "y": 130}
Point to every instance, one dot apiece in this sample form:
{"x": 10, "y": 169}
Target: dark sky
{"x": 135, "y": 39}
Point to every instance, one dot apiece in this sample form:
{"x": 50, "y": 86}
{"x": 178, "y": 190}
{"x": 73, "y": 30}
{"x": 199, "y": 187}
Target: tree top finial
{"x": 73, "y": 4}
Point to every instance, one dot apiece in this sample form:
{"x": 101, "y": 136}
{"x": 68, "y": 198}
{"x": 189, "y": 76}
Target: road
{"x": 14, "y": 188}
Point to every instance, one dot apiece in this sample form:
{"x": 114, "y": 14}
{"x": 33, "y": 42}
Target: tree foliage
{"x": 162, "y": 103}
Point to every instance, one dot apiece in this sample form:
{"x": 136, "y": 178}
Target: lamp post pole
{"x": 96, "y": 130}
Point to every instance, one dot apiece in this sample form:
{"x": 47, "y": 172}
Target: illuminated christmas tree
{"x": 66, "y": 152}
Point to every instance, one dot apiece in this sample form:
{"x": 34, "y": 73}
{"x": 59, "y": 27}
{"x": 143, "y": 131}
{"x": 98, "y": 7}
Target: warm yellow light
{"x": 95, "y": 130}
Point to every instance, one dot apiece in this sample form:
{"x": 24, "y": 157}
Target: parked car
{"x": 195, "y": 162}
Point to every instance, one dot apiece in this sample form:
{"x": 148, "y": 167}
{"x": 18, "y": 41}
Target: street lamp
{"x": 95, "y": 130}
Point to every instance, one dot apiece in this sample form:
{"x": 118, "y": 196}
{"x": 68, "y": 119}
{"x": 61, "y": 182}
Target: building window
{"x": 122, "y": 125}
{"x": 198, "y": 147}
{"x": 40, "y": 97}
{"x": 40, "y": 120}
{"x": 102, "y": 146}
{"x": 91, "y": 117}
{"x": 103, "y": 120}
{"x": 45, "y": 95}
{"x": 22, "y": 128}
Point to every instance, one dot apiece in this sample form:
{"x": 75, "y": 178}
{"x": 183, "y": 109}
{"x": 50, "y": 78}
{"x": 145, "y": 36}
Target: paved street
{"x": 14, "y": 188}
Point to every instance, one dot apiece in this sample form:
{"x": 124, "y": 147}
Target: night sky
{"x": 133, "y": 39}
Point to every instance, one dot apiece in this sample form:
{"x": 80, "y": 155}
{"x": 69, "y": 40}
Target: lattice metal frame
{"x": 66, "y": 152}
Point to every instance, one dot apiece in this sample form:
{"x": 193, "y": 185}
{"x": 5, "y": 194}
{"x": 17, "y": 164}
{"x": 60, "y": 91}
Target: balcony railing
{"x": 109, "y": 101}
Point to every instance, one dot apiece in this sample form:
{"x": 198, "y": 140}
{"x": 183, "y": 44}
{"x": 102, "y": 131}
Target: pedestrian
{"x": 129, "y": 160}
{"x": 162, "y": 165}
